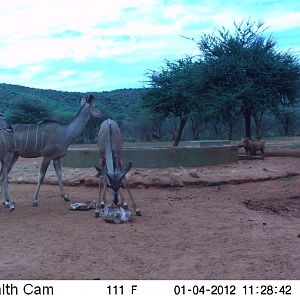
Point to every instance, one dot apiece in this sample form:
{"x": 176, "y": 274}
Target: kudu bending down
{"x": 49, "y": 140}
{"x": 111, "y": 169}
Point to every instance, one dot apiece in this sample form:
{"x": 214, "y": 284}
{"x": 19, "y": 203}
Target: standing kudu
{"x": 111, "y": 170}
{"x": 49, "y": 140}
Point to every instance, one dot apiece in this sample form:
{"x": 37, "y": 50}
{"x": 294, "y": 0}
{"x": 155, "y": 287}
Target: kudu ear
{"x": 101, "y": 172}
{"x": 90, "y": 99}
{"x": 125, "y": 170}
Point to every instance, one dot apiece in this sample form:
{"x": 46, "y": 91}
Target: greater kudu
{"x": 110, "y": 165}
{"x": 50, "y": 140}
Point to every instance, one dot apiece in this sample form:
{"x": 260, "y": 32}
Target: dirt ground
{"x": 246, "y": 225}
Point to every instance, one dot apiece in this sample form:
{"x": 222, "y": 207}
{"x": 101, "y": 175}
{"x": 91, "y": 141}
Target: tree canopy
{"x": 28, "y": 111}
{"x": 172, "y": 91}
{"x": 244, "y": 71}
{"x": 237, "y": 73}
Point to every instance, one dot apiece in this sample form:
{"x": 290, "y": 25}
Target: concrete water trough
{"x": 156, "y": 156}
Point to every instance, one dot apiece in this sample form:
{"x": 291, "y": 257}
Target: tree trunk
{"x": 195, "y": 131}
{"x": 194, "y": 125}
{"x": 257, "y": 130}
{"x": 230, "y": 130}
{"x": 247, "y": 116}
{"x": 182, "y": 123}
{"x": 286, "y": 126}
{"x": 257, "y": 122}
{"x": 216, "y": 129}
{"x": 258, "y": 117}
{"x": 80, "y": 139}
{"x": 159, "y": 133}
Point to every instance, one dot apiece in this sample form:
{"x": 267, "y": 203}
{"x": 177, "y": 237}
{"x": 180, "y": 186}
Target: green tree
{"x": 91, "y": 129}
{"x": 243, "y": 73}
{"x": 171, "y": 92}
{"x": 196, "y": 123}
{"x": 286, "y": 116}
{"x": 28, "y": 111}
{"x": 93, "y": 125}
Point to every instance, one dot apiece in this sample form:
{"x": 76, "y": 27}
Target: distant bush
{"x": 28, "y": 111}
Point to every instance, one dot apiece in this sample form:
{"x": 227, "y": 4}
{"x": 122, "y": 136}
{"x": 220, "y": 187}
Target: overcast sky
{"x": 96, "y": 45}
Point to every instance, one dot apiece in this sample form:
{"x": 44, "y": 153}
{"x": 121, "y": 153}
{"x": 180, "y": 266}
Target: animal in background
{"x": 252, "y": 146}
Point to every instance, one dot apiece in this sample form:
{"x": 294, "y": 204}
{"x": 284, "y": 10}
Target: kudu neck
{"x": 77, "y": 125}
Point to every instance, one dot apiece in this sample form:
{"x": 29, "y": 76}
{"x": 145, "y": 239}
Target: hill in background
{"x": 63, "y": 105}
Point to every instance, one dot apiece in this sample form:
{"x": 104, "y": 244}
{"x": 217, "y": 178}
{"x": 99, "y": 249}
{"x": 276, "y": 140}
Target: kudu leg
{"x": 5, "y": 200}
{"x": 262, "y": 154}
{"x": 136, "y": 209}
{"x": 98, "y": 204}
{"x": 45, "y": 163}
{"x": 123, "y": 201}
{"x": 104, "y": 196}
{"x": 10, "y": 161}
{"x": 101, "y": 200}
{"x": 57, "y": 168}
{"x": 4, "y": 180}
{"x": 2, "y": 183}
{"x": 13, "y": 160}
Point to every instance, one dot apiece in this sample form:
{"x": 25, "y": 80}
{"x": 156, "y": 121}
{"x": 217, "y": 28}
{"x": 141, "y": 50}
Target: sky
{"x": 97, "y": 45}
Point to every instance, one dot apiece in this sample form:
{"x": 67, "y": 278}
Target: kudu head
{"x": 114, "y": 180}
{"x": 90, "y": 101}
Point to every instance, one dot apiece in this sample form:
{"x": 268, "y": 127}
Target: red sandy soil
{"x": 26, "y": 171}
{"x": 248, "y": 228}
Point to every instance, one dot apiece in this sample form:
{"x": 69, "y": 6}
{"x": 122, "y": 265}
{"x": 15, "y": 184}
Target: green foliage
{"x": 144, "y": 123}
{"x": 29, "y": 111}
{"x": 117, "y": 103}
{"x": 29, "y": 105}
{"x": 91, "y": 129}
{"x": 243, "y": 73}
{"x": 237, "y": 74}
{"x": 286, "y": 115}
{"x": 171, "y": 91}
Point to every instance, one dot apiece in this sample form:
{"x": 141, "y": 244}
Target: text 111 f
{"x": 119, "y": 289}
